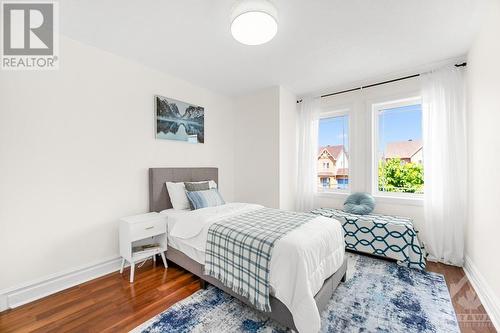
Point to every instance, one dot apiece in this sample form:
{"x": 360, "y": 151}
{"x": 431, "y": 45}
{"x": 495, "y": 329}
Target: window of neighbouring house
{"x": 333, "y": 167}
{"x": 398, "y": 158}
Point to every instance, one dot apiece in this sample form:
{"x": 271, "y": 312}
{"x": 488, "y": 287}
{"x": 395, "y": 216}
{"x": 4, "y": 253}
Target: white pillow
{"x": 177, "y": 193}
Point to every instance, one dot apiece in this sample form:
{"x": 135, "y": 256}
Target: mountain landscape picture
{"x": 181, "y": 121}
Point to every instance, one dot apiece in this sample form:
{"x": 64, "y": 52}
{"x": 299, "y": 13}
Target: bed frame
{"x": 159, "y": 200}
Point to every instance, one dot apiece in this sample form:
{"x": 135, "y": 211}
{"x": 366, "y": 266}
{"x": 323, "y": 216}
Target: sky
{"x": 400, "y": 124}
{"x": 397, "y": 124}
{"x": 333, "y": 131}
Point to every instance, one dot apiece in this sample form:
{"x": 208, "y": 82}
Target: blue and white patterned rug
{"x": 379, "y": 296}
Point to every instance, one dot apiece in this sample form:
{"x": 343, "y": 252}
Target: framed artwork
{"x": 177, "y": 120}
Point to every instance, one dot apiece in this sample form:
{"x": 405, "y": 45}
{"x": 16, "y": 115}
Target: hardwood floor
{"x": 112, "y": 304}
{"x": 471, "y": 314}
{"x": 106, "y": 304}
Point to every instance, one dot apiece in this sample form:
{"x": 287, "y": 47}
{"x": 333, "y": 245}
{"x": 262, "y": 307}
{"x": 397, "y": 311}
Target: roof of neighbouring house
{"x": 332, "y": 150}
{"x": 402, "y": 149}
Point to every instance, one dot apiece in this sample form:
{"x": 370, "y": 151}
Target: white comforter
{"x": 300, "y": 261}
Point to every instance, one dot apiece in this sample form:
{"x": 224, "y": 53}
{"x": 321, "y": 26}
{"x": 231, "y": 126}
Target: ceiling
{"x": 320, "y": 44}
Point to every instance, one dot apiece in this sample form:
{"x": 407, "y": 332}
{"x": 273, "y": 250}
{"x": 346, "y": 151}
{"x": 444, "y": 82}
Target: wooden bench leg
{"x": 203, "y": 284}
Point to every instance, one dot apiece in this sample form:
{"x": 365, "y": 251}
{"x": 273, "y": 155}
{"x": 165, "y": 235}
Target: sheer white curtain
{"x": 307, "y": 153}
{"x": 445, "y": 164}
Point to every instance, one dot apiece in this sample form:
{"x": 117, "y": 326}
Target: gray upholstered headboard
{"x": 158, "y": 196}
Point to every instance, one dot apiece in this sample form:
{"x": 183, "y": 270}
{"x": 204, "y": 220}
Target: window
{"x": 333, "y": 157}
{"x": 398, "y": 158}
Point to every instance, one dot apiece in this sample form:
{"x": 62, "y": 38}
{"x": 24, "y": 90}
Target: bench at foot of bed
{"x": 382, "y": 235}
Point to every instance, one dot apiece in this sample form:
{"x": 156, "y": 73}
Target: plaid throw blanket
{"x": 239, "y": 250}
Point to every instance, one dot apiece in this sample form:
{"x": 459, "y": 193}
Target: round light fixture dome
{"x": 254, "y": 22}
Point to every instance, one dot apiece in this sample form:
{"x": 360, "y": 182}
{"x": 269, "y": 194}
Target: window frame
{"x": 331, "y": 113}
{"x": 376, "y": 107}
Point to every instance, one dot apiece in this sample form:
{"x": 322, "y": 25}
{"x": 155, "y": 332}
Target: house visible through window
{"x": 398, "y": 141}
{"x": 333, "y": 167}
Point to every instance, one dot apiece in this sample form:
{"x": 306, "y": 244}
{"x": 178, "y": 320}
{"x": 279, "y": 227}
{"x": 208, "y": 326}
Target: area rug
{"x": 378, "y": 296}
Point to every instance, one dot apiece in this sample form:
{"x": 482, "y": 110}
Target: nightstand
{"x": 137, "y": 233}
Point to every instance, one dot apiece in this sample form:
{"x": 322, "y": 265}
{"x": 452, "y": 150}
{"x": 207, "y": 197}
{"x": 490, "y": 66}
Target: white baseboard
{"x": 29, "y": 292}
{"x": 488, "y": 298}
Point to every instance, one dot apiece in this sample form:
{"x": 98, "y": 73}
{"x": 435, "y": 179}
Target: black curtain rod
{"x": 379, "y": 83}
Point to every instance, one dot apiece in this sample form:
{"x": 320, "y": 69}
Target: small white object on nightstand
{"x": 140, "y": 230}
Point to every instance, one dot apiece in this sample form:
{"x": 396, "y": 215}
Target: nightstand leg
{"x": 123, "y": 265}
{"x": 163, "y": 258}
{"x": 154, "y": 257}
{"x": 132, "y": 269}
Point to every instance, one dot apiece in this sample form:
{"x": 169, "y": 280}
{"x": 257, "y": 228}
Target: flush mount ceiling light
{"x": 254, "y": 22}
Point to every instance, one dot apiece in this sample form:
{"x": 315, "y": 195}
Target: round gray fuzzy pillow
{"x": 359, "y": 203}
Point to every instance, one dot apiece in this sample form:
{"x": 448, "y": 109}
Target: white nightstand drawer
{"x": 147, "y": 229}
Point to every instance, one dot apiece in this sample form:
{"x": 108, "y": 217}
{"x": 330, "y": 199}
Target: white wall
{"x": 360, "y": 153}
{"x": 265, "y": 148}
{"x": 75, "y": 146}
{"x": 288, "y": 149}
{"x": 483, "y": 230}
{"x": 257, "y": 148}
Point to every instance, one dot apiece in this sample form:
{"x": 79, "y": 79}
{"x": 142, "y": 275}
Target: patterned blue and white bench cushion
{"x": 388, "y": 236}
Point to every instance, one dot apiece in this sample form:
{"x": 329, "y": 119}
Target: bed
{"x": 186, "y": 254}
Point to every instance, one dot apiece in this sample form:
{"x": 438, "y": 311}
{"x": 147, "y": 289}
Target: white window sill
{"x": 330, "y": 194}
{"x": 399, "y": 200}
{"x": 379, "y": 198}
